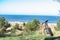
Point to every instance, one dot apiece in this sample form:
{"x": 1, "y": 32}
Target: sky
{"x": 30, "y": 7}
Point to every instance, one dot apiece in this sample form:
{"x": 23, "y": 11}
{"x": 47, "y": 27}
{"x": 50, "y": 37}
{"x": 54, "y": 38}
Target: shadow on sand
{"x": 52, "y": 38}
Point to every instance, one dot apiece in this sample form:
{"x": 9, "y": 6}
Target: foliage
{"x": 11, "y": 38}
{"x": 32, "y": 26}
{"x": 30, "y": 36}
{"x": 3, "y": 25}
{"x": 52, "y": 38}
{"x": 35, "y": 24}
{"x": 57, "y": 1}
{"x": 33, "y": 36}
{"x": 2, "y": 21}
{"x": 23, "y": 24}
{"x": 7, "y": 24}
{"x": 58, "y": 25}
{"x": 15, "y": 27}
{"x": 28, "y": 26}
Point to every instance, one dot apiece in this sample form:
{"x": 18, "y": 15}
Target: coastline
{"x": 26, "y": 18}
{"x": 13, "y": 23}
{"x": 26, "y": 22}
{"x": 21, "y": 23}
{"x": 51, "y": 25}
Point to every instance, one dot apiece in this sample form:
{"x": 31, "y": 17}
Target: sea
{"x": 29, "y": 18}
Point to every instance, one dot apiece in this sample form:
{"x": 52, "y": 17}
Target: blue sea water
{"x": 26, "y": 18}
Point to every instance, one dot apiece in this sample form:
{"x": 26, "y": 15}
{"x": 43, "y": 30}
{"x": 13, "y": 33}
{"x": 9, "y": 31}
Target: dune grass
{"x": 33, "y": 36}
{"x": 29, "y": 36}
{"x": 10, "y": 38}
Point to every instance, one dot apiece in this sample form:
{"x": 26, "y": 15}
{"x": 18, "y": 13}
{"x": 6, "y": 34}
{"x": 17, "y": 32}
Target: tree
{"x": 57, "y": 0}
{"x": 59, "y": 4}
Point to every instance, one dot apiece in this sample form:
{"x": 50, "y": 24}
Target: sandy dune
{"x": 51, "y": 25}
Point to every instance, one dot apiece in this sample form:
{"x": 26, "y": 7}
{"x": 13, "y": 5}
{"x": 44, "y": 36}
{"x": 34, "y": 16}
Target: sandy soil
{"x": 55, "y": 32}
{"x": 51, "y": 25}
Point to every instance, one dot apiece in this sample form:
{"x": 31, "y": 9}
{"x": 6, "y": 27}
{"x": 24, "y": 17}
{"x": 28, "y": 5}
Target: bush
{"x": 28, "y": 26}
{"x": 32, "y": 26}
{"x": 58, "y": 25}
{"x": 23, "y": 24}
{"x": 3, "y": 25}
{"x": 7, "y": 24}
{"x": 35, "y": 24}
{"x": 2, "y": 21}
{"x": 15, "y": 27}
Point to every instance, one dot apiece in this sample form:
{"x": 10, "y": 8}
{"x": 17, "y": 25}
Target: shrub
{"x": 2, "y": 21}
{"x": 23, "y": 24}
{"x": 32, "y": 26}
{"x": 3, "y": 25}
{"x": 58, "y": 25}
{"x": 28, "y": 26}
{"x": 7, "y": 24}
{"x": 15, "y": 28}
{"x": 35, "y": 24}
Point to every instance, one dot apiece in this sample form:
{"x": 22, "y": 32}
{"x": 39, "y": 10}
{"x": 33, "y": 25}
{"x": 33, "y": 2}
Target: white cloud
{"x": 39, "y": 8}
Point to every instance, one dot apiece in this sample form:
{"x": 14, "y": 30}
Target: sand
{"x": 51, "y": 25}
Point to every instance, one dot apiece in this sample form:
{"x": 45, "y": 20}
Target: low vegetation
{"x": 58, "y": 26}
{"x": 3, "y": 25}
{"x": 30, "y": 32}
{"x": 16, "y": 26}
{"x": 32, "y": 26}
